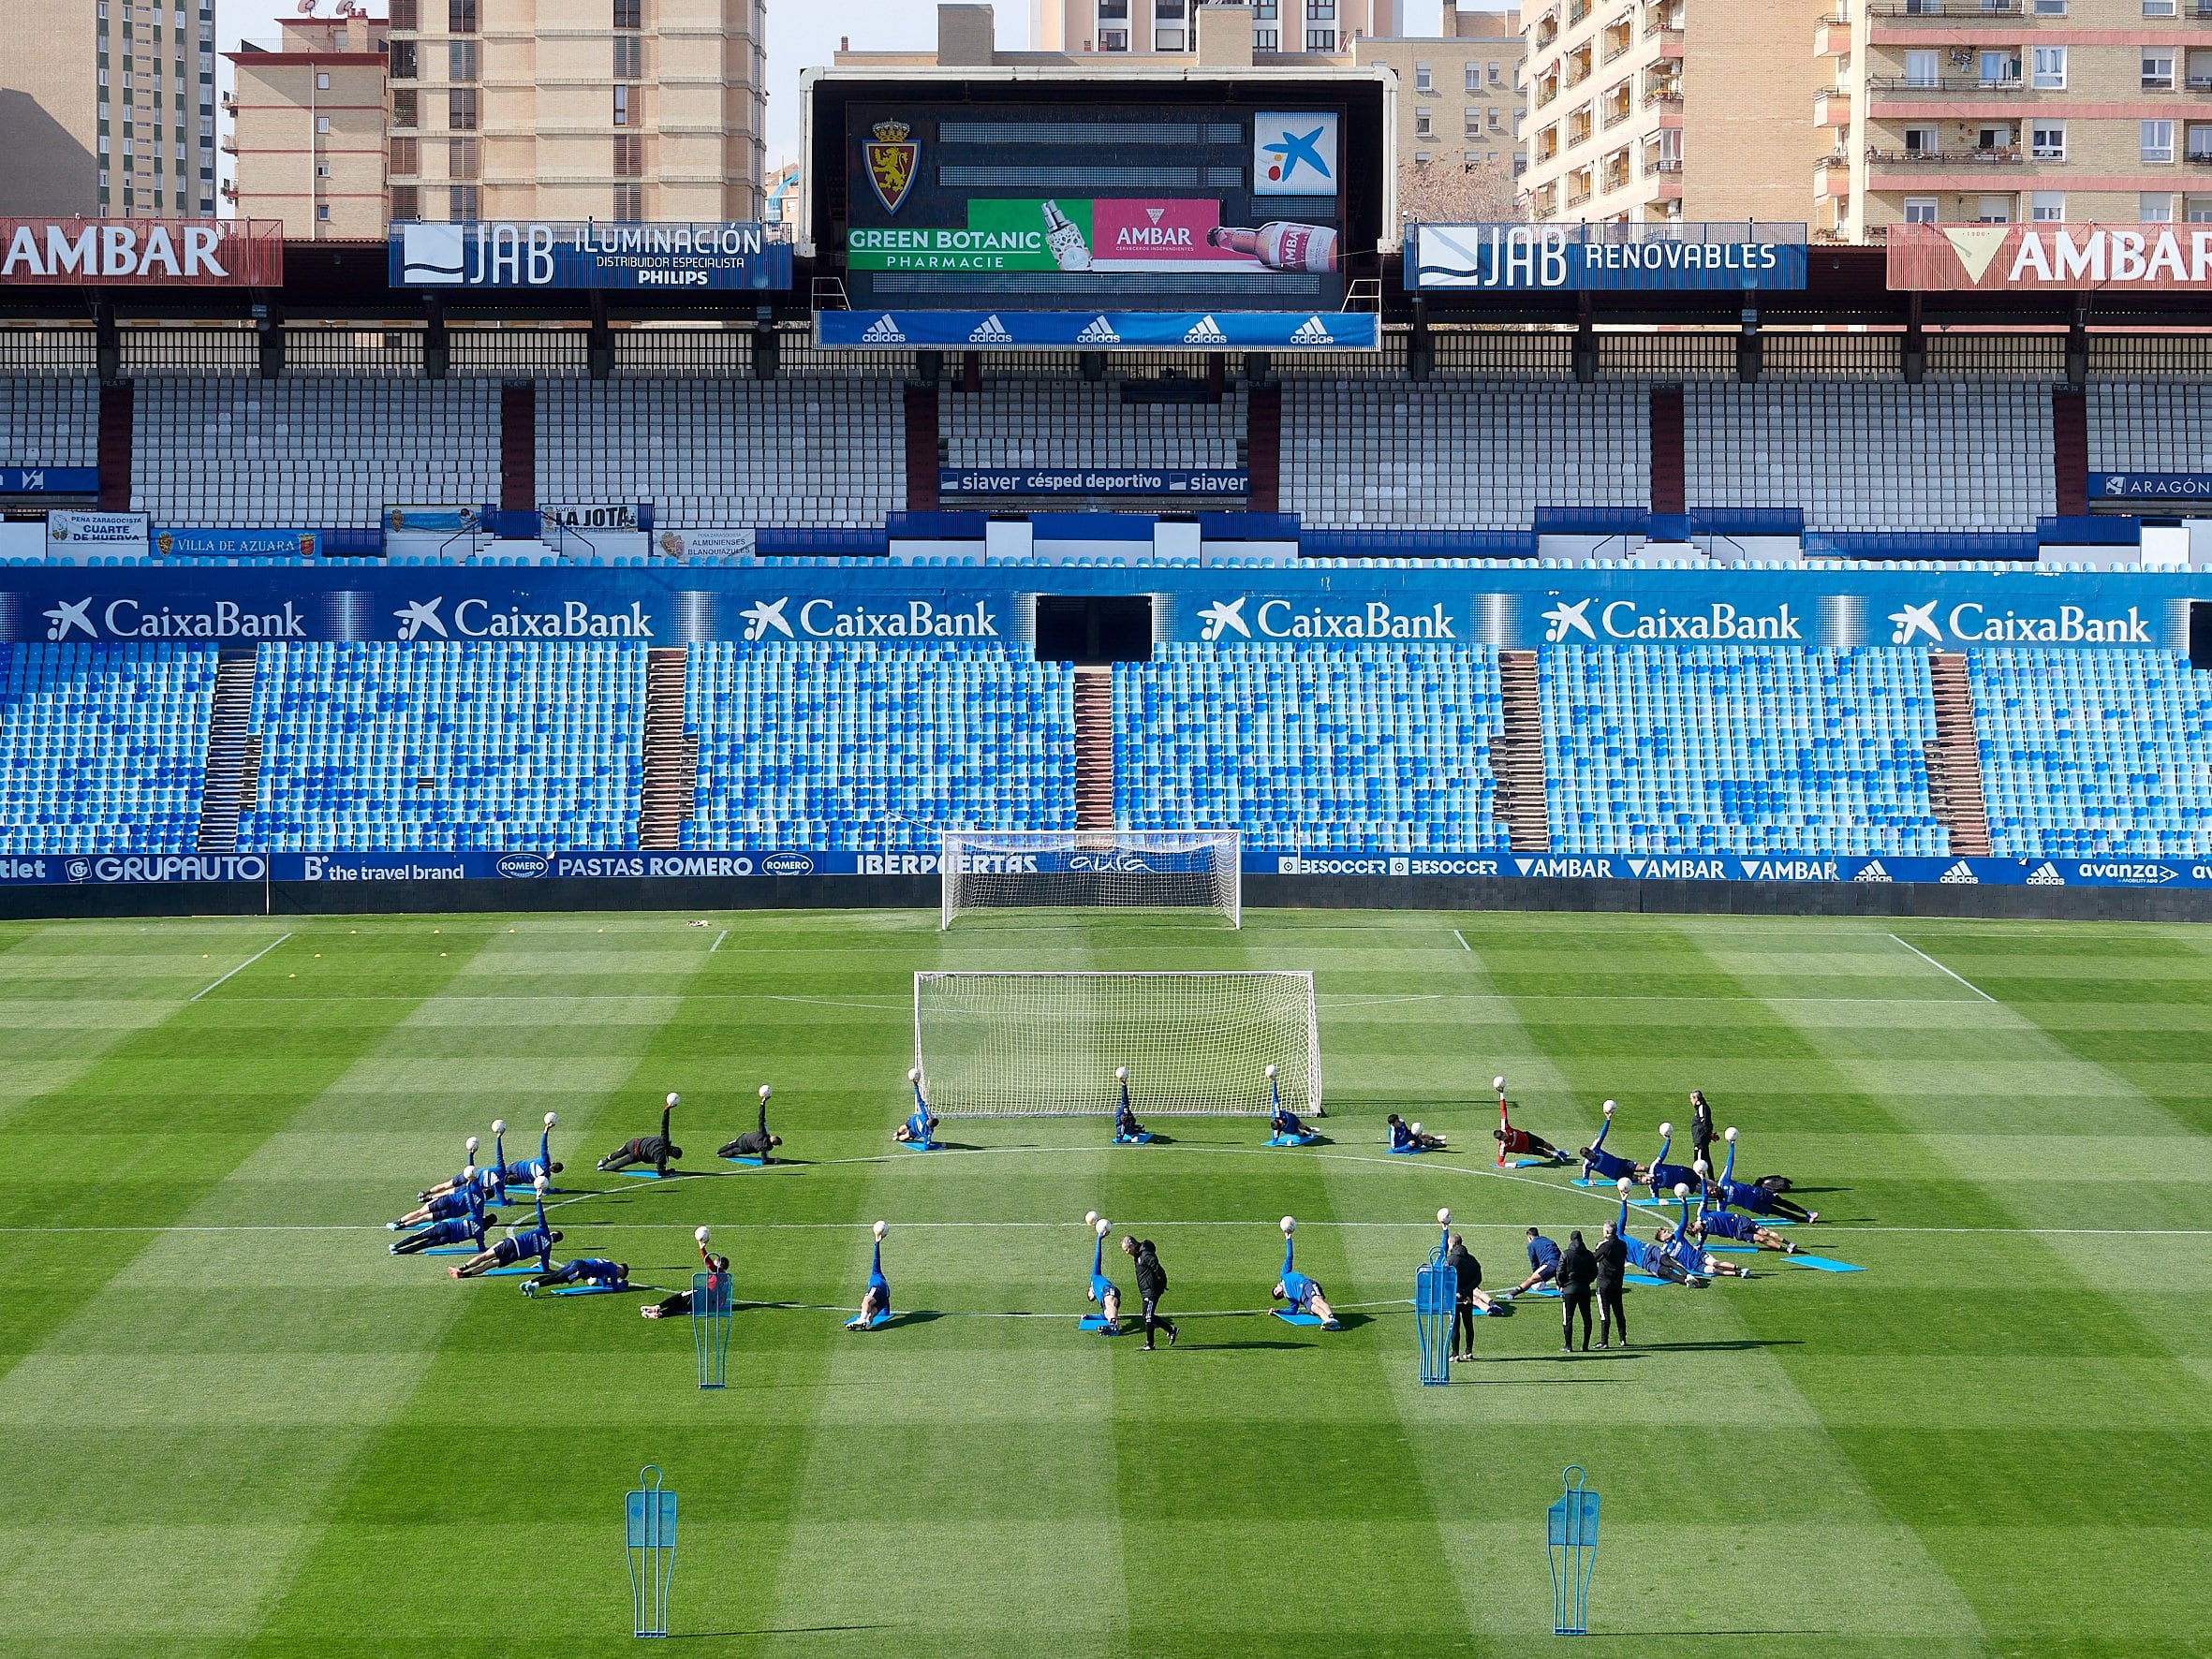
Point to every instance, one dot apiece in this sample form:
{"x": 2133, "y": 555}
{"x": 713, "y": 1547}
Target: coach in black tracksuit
{"x": 1578, "y": 1272}
{"x": 1612, "y": 1257}
{"x": 1151, "y": 1284}
{"x": 1700, "y": 1127}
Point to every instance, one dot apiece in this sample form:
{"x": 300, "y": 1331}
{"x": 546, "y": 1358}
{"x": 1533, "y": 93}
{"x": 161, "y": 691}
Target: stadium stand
{"x": 856, "y": 747}
{"x": 824, "y": 450}
{"x": 2151, "y": 426}
{"x": 446, "y": 747}
{"x": 1729, "y": 749}
{"x": 48, "y": 421}
{"x": 1475, "y": 455}
{"x": 1869, "y": 456}
{"x": 1040, "y": 420}
{"x": 1382, "y": 745}
{"x": 2085, "y": 752}
{"x": 106, "y": 746}
{"x": 313, "y": 452}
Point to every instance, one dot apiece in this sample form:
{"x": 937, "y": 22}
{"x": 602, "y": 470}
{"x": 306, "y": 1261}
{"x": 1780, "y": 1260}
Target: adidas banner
{"x": 1100, "y": 330}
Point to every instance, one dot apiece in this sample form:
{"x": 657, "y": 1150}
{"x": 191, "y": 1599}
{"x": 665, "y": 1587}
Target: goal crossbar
{"x": 1000, "y": 1043}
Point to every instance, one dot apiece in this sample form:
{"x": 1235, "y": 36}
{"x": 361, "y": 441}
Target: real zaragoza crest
{"x": 891, "y": 156}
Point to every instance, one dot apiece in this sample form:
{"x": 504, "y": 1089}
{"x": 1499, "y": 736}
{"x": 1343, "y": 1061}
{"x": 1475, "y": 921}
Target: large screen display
{"x": 1125, "y": 206}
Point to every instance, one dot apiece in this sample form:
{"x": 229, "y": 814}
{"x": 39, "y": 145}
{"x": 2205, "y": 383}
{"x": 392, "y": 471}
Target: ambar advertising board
{"x": 2068, "y": 258}
{"x": 142, "y": 253}
{"x": 1115, "y": 207}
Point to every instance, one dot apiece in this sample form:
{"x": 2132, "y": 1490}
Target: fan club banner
{"x": 2066, "y": 258}
{"x": 748, "y": 864}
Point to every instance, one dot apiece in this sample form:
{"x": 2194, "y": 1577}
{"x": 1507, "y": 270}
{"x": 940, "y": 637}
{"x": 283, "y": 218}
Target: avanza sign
{"x": 142, "y": 253}
{"x": 2060, "y": 257}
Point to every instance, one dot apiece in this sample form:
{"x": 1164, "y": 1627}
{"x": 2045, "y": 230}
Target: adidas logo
{"x": 991, "y": 332}
{"x": 1312, "y": 331}
{"x": 1205, "y": 331}
{"x": 2046, "y": 875}
{"x": 883, "y": 331}
{"x": 1873, "y": 871}
{"x": 1959, "y": 875}
{"x": 1098, "y": 332}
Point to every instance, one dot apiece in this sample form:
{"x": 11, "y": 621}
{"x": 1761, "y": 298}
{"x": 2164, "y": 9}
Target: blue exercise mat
{"x": 447, "y": 1250}
{"x": 1633, "y": 1277}
{"x": 1314, "y": 1319}
{"x": 588, "y": 1290}
{"x": 521, "y": 1270}
{"x": 1144, "y": 1139}
{"x": 1406, "y": 1151}
{"x": 878, "y": 1323}
{"x": 1733, "y": 1249}
{"x": 1551, "y": 1290}
{"x": 1098, "y": 1322}
{"x": 753, "y": 1163}
{"x": 923, "y": 1146}
{"x": 1291, "y": 1139}
{"x": 1823, "y": 1263}
{"x": 1533, "y": 1164}
{"x": 649, "y": 1174}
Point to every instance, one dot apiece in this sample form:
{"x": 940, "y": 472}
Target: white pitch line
{"x": 1463, "y": 944}
{"x": 1940, "y": 968}
{"x": 240, "y": 969}
{"x": 718, "y": 944}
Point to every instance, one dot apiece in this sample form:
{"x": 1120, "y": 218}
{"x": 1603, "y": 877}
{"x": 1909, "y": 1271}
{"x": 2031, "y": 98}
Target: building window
{"x": 460, "y": 109}
{"x": 461, "y": 163}
{"x": 1921, "y": 140}
{"x": 1320, "y": 40}
{"x": 630, "y": 203}
{"x": 1420, "y": 123}
{"x": 629, "y": 155}
{"x": 460, "y": 16}
{"x": 1422, "y": 79}
{"x": 323, "y": 125}
{"x": 1264, "y": 11}
{"x": 1994, "y": 210}
{"x": 2199, "y": 140}
{"x": 2200, "y": 209}
{"x": 405, "y": 16}
{"x": 1474, "y": 78}
{"x": 1321, "y": 10}
{"x": 403, "y": 60}
{"x": 1919, "y": 210}
{"x": 630, "y": 57}
{"x": 2000, "y": 69}
{"x": 2158, "y": 70}
{"x": 622, "y": 106}
{"x": 404, "y": 108}
{"x": 461, "y": 60}
{"x": 322, "y": 80}
{"x": 406, "y": 202}
{"x": 1994, "y": 137}
{"x": 1921, "y": 70}
{"x": 2156, "y": 140}
{"x": 2046, "y": 207}
{"x": 2158, "y": 7}
{"x": 322, "y": 210}
{"x": 1422, "y": 158}
{"x": 1266, "y": 39}
{"x": 2050, "y": 7}
{"x": 406, "y": 157}
{"x": 1470, "y": 125}
{"x": 1113, "y": 40}
{"x": 2048, "y": 142}
{"x": 2050, "y": 68}
{"x": 629, "y": 14}
{"x": 1497, "y": 79}
{"x": 1167, "y": 40}
{"x": 461, "y": 204}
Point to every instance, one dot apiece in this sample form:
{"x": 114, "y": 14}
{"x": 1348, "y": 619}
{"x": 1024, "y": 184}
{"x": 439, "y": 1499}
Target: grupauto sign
{"x": 142, "y": 253}
{"x": 2172, "y": 258}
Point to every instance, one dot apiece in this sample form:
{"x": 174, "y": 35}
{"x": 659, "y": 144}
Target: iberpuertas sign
{"x": 142, "y": 253}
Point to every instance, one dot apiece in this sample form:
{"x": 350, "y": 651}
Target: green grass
{"x": 230, "y": 1424}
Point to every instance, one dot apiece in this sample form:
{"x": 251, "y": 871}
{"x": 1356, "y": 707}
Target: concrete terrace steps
{"x": 1516, "y": 756}
{"x": 222, "y": 790}
{"x": 671, "y": 754}
{"x": 1955, "y": 758}
{"x": 1094, "y": 748}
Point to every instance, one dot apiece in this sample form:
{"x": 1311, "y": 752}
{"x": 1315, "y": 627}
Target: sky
{"x": 800, "y": 34}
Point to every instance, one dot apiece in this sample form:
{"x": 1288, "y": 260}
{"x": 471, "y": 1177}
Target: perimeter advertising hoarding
{"x": 142, "y": 253}
{"x": 2058, "y": 258}
{"x": 1116, "y": 207}
{"x": 1572, "y": 258}
{"x": 518, "y": 254}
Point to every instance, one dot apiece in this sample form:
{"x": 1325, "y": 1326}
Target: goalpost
{"x": 1092, "y": 869}
{"x": 1008, "y": 1044}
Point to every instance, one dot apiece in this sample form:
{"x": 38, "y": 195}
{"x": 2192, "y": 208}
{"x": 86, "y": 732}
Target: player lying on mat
{"x": 876, "y": 1301}
{"x": 1403, "y": 1134}
{"x": 1645, "y": 1259}
{"x": 1599, "y": 1164}
{"x": 1285, "y": 1121}
{"x": 1774, "y": 1186}
{"x": 589, "y": 1270}
{"x": 655, "y": 1149}
{"x": 676, "y": 1306}
{"x": 1125, "y": 1126}
{"x": 439, "y": 1235}
{"x": 538, "y": 1242}
{"x": 524, "y": 1171}
{"x": 1736, "y": 1229}
{"x": 1522, "y": 1143}
{"x": 453, "y": 1184}
{"x": 756, "y": 1143}
{"x": 1107, "y": 1293}
{"x": 1304, "y": 1297}
{"x": 919, "y": 1127}
{"x": 1660, "y": 1175}
{"x": 1543, "y": 1262}
{"x": 463, "y": 1200}
{"x": 1679, "y": 1241}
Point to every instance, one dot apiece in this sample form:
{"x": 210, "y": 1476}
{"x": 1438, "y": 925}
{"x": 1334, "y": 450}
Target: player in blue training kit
{"x": 1599, "y": 1164}
{"x": 1662, "y": 1175}
{"x": 1403, "y": 1136}
{"x": 538, "y": 1242}
{"x": 920, "y": 1128}
{"x": 1681, "y": 1244}
{"x": 1126, "y": 1127}
{"x": 1739, "y": 1229}
{"x": 524, "y": 1172}
{"x": 1645, "y": 1259}
{"x": 1762, "y": 1196}
{"x": 449, "y": 1206}
{"x": 1305, "y": 1295}
{"x": 1543, "y": 1262}
{"x": 467, "y": 1176}
{"x": 465, "y": 1230}
{"x": 590, "y": 1269}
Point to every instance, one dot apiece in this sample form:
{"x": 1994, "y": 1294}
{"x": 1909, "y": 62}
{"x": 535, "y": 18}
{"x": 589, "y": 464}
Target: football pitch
{"x": 230, "y": 1423}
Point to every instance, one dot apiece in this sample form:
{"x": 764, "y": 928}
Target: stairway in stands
{"x": 1516, "y": 756}
{"x": 518, "y": 447}
{"x": 117, "y": 403}
{"x": 671, "y": 755}
{"x": 1955, "y": 758}
{"x": 1263, "y": 449}
{"x": 1094, "y": 748}
{"x": 222, "y": 797}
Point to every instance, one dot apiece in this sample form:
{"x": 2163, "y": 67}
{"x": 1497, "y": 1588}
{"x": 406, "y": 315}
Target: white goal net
{"x": 1092, "y": 869}
{"x": 1003, "y": 1045}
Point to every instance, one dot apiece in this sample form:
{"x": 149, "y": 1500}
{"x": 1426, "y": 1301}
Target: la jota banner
{"x": 2066, "y": 258}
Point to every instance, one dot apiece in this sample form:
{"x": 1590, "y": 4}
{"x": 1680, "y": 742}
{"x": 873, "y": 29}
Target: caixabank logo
{"x": 1227, "y": 621}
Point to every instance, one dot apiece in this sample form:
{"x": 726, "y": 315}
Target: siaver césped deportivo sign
{"x": 2068, "y": 259}
{"x": 142, "y": 253}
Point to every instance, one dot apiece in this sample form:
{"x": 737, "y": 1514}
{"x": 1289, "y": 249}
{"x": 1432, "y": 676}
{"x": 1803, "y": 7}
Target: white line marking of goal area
{"x": 1463, "y": 944}
{"x": 1940, "y": 968}
{"x": 240, "y": 969}
{"x": 718, "y": 944}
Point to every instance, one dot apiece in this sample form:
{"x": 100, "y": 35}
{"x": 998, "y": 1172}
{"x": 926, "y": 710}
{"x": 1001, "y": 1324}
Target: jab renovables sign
{"x": 2064, "y": 257}
{"x": 142, "y": 253}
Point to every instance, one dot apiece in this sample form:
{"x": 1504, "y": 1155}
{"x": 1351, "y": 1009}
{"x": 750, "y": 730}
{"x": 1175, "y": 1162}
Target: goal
{"x": 1092, "y": 869}
{"x": 1006, "y": 1045}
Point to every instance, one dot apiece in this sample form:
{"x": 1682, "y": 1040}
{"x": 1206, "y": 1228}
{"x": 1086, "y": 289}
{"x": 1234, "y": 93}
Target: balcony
{"x": 1614, "y": 114}
{"x": 1576, "y": 11}
{"x": 1547, "y": 30}
{"x": 1667, "y": 92}
{"x": 1616, "y": 43}
{"x": 1913, "y": 10}
{"x": 1832, "y": 37}
{"x": 1578, "y": 194}
{"x": 1948, "y": 86}
{"x": 1832, "y": 109}
{"x": 1578, "y": 134}
{"x": 2003, "y": 156}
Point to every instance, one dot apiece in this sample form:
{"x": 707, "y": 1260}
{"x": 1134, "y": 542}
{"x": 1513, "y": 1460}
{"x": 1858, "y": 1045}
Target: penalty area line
{"x": 1941, "y": 969}
{"x": 240, "y": 969}
{"x": 718, "y": 944}
{"x": 1463, "y": 944}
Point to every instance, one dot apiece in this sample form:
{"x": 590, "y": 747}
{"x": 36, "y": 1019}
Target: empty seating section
{"x": 867, "y": 748}
{"x": 1867, "y": 456}
{"x": 1460, "y": 455}
{"x": 313, "y": 452}
{"x": 1377, "y": 745}
{"x": 1037, "y": 420}
{"x": 50, "y": 421}
{"x": 806, "y": 450}
{"x": 2087, "y": 753}
{"x": 2151, "y": 426}
{"x": 448, "y": 747}
{"x": 105, "y": 747}
{"x": 1727, "y": 749}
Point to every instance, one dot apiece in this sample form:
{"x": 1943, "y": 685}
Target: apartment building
{"x": 1141, "y": 28}
{"x": 1460, "y": 99}
{"x": 306, "y": 114}
{"x": 1998, "y": 110}
{"x": 1645, "y": 111}
{"x": 108, "y": 109}
{"x": 570, "y": 109}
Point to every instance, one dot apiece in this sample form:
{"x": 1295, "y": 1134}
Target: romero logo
{"x": 892, "y": 157}
{"x": 787, "y": 864}
{"x": 523, "y": 866}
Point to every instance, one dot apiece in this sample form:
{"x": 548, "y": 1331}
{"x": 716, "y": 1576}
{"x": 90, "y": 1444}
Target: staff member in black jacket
{"x": 1151, "y": 1284}
{"x": 1467, "y": 1294}
{"x": 1578, "y": 1271}
{"x": 1701, "y": 1125}
{"x": 1612, "y": 1258}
